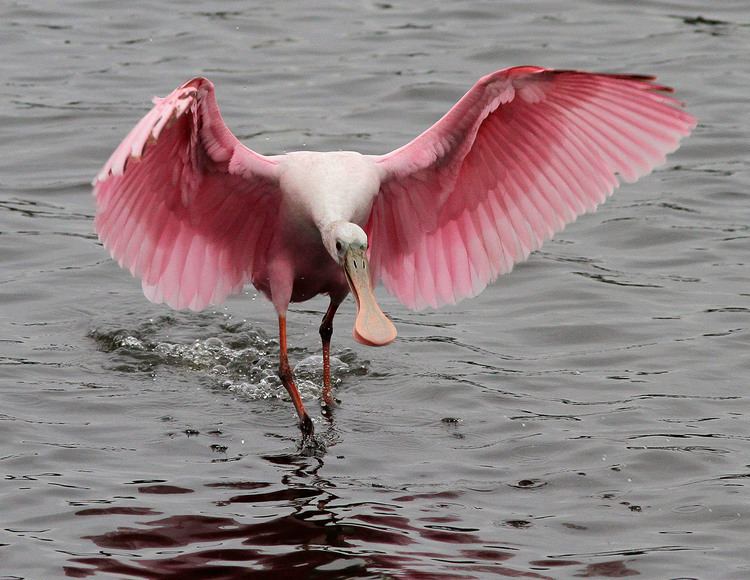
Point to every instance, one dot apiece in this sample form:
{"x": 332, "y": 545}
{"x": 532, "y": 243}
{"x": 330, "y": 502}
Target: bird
{"x": 196, "y": 215}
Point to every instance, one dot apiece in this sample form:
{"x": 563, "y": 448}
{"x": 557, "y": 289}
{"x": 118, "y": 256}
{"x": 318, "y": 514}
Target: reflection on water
{"x": 301, "y": 527}
{"x": 306, "y": 531}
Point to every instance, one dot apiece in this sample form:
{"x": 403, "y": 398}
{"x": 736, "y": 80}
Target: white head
{"x": 347, "y": 244}
{"x": 340, "y": 237}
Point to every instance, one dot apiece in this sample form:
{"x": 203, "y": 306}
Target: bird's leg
{"x": 287, "y": 379}
{"x": 326, "y": 331}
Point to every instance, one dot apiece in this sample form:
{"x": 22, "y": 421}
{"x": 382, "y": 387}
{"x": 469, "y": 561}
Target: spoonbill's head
{"x": 347, "y": 244}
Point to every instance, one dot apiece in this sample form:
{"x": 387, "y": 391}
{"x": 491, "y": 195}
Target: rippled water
{"x": 586, "y": 416}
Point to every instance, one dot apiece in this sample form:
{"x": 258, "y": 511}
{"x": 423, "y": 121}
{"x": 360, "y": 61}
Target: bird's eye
{"x": 338, "y": 246}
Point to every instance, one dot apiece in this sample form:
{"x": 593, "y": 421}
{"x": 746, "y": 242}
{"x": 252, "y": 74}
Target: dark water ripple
{"x": 586, "y": 416}
{"x": 323, "y": 535}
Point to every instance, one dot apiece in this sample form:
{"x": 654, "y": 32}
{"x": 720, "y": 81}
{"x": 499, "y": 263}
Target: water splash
{"x": 230, "y": 354}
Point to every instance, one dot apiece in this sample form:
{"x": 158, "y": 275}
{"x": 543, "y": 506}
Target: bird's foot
{"x": 307, "y": 428}
{"x": 310, "y": 445}
{"x": 327, "y": 405}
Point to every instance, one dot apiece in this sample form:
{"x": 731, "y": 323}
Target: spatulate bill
{"x": 371, "y": 327}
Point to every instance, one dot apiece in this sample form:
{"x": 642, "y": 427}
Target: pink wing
{"x": 184, "y": 205}
{"x": 523, "y": 153}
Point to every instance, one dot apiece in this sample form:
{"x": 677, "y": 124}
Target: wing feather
{"x": 522, "y": 154}
{"x": 183, "y": 205}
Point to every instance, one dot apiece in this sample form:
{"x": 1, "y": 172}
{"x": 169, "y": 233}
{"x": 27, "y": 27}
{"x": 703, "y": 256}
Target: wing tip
{"x": 164, "y": 113}
{"x": 197, "y": 82}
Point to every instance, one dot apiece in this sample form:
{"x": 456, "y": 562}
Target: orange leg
{"x": 326, "y": 331}
{"x": 287, "y": 379}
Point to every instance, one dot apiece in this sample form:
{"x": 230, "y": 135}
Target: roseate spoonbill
{"x": 186, "y": 207}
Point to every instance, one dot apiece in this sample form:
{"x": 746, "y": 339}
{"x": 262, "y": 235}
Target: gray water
{"x": 587, "y": 415}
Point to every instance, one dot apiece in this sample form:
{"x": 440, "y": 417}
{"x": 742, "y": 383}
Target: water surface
{"x": 587, "y": 415}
